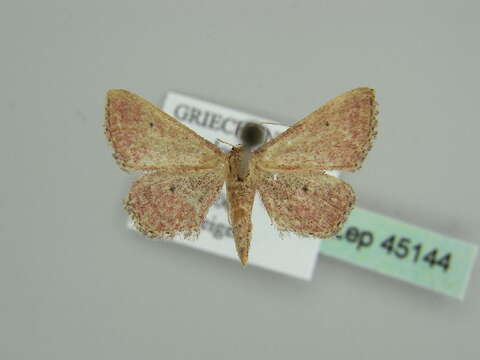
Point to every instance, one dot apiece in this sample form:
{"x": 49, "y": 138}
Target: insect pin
{"x": 183, "y": 173}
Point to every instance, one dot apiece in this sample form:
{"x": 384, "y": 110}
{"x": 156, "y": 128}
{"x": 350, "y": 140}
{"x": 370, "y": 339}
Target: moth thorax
{"x": 252, "y": 135}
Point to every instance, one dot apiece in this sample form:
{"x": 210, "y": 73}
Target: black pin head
{"x": 252, "y": 134}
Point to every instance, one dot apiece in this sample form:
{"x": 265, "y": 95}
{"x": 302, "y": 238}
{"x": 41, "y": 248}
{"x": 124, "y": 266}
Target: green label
{"x": 403, "y": 251}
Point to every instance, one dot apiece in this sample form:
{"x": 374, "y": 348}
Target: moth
{"x": 183, "y": 173}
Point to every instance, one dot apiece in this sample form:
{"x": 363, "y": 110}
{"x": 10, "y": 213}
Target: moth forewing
{"x": 337, "y": 136}
{"x": 145, "y": 138}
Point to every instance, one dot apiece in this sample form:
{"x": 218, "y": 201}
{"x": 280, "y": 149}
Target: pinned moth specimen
{"x": 183, "y": 172}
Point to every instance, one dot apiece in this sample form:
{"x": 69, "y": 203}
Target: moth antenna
{"x": 225, "y": 142}
{"x": 273, "y": 123}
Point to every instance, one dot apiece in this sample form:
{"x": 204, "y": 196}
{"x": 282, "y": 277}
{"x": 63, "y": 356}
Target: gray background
{"x": 75, "y": 284}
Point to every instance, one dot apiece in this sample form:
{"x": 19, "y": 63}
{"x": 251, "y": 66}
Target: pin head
{"x": 252, "y": 134}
